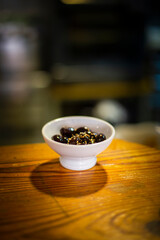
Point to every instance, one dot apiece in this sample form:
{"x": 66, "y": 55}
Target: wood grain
{"x": 117, "y": 199}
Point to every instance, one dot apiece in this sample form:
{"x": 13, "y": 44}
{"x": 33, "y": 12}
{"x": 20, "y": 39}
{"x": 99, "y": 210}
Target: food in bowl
{"x": 79, "y": 136}
{"x": 83, "y": 156}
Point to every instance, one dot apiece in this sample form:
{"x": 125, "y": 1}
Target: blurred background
{"x": 97, "y": 58}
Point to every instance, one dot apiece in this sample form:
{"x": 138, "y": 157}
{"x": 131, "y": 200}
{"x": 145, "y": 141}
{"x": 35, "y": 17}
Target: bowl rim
{"x": 78, "y": 146}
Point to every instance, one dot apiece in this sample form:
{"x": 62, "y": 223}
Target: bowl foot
{"x": 78, "y": 164}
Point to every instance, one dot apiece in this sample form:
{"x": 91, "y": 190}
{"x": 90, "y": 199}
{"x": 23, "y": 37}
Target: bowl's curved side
{"x": 78, "y": 150}
{"x": 97, "y": 125}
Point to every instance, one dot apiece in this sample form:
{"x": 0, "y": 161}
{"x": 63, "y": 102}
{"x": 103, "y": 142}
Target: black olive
{"x": 64, "y": 140}
{"x": 67, "y": 132}
{"x": 93, "y": 135}
{"x": 82, "y": 129}
{"x": 100, "y": 137}
{"x": 57, "y": 138}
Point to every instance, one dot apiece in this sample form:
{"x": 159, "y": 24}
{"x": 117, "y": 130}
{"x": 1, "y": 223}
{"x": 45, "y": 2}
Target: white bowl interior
{"x": 96, "y": 125}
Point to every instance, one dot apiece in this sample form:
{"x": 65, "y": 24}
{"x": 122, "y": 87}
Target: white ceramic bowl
{"x": 78, "y": 157}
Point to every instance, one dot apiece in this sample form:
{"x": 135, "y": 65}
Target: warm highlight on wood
{"x": 118, "y": 199}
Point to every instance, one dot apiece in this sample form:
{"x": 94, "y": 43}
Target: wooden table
{"x": 117, "y": 199}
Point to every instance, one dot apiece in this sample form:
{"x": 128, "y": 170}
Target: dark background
{"x": 60, "y": 58}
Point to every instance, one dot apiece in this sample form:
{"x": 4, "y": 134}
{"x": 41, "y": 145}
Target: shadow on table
{"x": 51, "y": 178}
